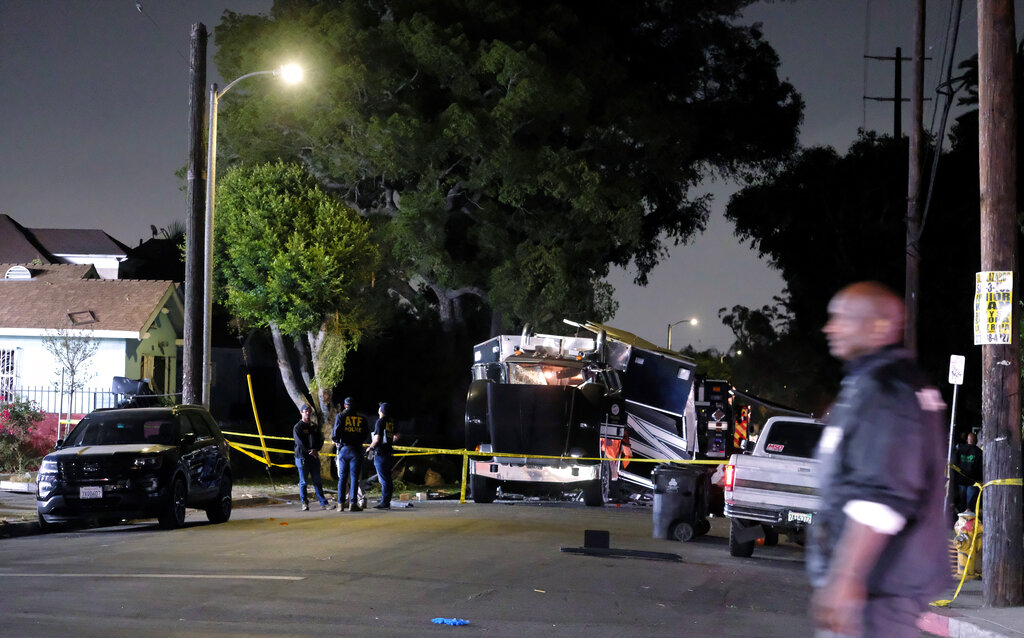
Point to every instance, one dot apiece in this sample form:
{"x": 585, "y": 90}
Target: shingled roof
{"x": 60, "y": 296}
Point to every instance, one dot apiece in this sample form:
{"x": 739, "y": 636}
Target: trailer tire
{"x": 593, "y": 492}
{"x": 736, "y": 548}
{"x": 483, "y": 489}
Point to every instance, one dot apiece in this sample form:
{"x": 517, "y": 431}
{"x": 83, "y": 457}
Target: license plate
{"x": 90, "y": 492}
{"x": 800, "y": 516}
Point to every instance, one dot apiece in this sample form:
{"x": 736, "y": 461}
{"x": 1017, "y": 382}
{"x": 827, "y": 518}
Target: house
{"x": 20, "y": 245}
{"x": 137, "y": 325}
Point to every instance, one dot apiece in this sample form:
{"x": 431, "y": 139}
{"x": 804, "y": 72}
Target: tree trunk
{"x": 1003, "y": 558}
{"x": 285, "y": 366}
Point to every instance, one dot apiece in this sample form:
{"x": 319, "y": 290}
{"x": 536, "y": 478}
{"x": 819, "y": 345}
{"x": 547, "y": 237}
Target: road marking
{"x": 207, "y": 576}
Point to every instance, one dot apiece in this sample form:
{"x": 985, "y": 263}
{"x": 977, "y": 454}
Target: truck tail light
{"x": 730, "y": 477}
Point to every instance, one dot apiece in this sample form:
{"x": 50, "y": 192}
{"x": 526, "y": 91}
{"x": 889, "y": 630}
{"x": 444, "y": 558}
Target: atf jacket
{"x": 350, "y": 429}
{"x": 885, "y": 443}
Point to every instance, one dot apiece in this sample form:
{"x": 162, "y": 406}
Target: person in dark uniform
{"x": 877, "y": 549}
{"x": 969, "y": 462}
{"x": 308, "y": 441}
{"x": 384, "y": 454}
{"x": 350, "y": 431}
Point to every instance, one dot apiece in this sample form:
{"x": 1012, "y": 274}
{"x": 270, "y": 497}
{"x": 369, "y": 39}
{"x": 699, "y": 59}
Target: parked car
{"x": 137, "y": 463}
{"x": 773, "y": 487}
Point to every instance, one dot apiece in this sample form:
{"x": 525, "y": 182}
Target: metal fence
{"x": 49, "y": 399}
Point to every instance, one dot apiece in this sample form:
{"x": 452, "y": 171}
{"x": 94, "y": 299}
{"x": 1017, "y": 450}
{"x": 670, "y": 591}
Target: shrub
{"x": 18, "y": 420}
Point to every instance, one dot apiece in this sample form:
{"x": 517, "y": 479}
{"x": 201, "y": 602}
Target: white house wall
{"x": 37, "y": 367}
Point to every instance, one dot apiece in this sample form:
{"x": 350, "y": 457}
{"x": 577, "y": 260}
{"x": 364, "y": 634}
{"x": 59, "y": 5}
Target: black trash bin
{"x": 681, "y": 496}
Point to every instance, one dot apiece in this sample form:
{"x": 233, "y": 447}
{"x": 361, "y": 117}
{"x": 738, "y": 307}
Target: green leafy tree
{"x": 510, "y": 152}
{"x": 293, "y": 258}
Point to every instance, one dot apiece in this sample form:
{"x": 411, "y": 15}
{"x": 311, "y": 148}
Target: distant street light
{"x": 291, "y": 74}
{"x": 722, "y": 358}
{"x": 693, "y": 321}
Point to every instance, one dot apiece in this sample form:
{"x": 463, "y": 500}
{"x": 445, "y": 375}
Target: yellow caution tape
{"x": 974, "y": 534}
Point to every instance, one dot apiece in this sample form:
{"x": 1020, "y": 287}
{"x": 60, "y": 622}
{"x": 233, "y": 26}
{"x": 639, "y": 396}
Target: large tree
{"x": 509, "y": 152}
{"x": 827, "y": 220}
{"x": 295, "y": 259}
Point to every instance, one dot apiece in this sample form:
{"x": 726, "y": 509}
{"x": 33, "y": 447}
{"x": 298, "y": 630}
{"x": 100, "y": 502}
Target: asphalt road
{"x": 273, "y": 570}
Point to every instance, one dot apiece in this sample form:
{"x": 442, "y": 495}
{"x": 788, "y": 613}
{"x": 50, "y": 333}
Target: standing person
{"x": 968, "y": 460}
{"x": 384, "y": 454}
{"x": 350, "y": 430}
{"x": 877, "y": 551}
{"x": 308, "y": 441}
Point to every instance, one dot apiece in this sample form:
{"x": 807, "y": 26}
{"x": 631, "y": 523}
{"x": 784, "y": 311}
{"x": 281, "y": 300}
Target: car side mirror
{"x": 745, "y": 446}
{"x": 188, "y": 438}
{"x": 59, "y": 445}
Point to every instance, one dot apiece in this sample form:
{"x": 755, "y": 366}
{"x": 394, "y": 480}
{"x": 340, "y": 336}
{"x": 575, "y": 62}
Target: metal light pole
{"x": 693, "y": 321}
{"x": 291, "y": 74}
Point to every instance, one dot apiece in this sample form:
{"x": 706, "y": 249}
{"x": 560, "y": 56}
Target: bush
{"x": 18, "y": 420}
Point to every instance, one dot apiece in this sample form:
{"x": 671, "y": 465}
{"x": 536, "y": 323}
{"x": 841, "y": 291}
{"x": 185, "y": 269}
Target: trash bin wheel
{"x": 703, "y": 527}
{"x": 736, "y": 548}
{"x": 682, "y": 532}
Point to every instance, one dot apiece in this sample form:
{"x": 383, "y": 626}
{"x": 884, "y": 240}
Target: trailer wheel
{"x": 483, "y": 489}
{"x": 771, "y": 536}
{"x": 736, "y": 548}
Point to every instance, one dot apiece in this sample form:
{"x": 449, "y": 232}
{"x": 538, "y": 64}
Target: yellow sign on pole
{"x": 993, "y": 307}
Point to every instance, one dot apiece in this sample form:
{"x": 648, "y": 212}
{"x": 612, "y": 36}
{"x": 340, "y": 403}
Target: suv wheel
{"x": 172, "y": 516}
{"x": 219, "y": 511}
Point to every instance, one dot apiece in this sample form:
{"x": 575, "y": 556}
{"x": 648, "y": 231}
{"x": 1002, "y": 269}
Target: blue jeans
{"x": 350, "y": 464}
{"x": 311, "y": 465}
{"x": 383, "y": 463}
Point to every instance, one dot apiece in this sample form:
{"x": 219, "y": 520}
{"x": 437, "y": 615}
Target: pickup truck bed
{"x": 773, "y": 488}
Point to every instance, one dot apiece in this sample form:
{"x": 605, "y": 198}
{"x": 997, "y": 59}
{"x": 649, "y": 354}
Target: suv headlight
{"x": 147, "y": 462}
{"x": 48, "y": 466}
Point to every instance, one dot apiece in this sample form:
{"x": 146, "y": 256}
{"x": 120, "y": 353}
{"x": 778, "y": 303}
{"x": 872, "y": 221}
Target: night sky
{"x": 94, "y": 106}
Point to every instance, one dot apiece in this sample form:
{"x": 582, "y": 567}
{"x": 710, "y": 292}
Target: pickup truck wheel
{"x": 484, "y": 490}
{"x": 771, "y": 536}
{"x": 682, "y": 532}
{"x": 736, "y": 548}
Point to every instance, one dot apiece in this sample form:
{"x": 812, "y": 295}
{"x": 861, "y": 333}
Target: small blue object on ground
{"x": 450, "y": 621}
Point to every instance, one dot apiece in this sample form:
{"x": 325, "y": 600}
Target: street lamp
{"x": 291, "y": 74}
{"x": 692, "y": 321}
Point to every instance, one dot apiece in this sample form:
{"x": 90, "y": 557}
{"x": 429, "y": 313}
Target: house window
{"x": 9, "y": 372}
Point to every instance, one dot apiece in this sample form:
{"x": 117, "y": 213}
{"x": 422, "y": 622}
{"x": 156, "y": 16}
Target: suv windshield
{"x": 793, "y": 438}
{"x": 116, "y": 429}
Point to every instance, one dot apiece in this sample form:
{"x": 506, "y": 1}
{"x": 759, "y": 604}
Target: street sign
{"x": 956, "y": 369}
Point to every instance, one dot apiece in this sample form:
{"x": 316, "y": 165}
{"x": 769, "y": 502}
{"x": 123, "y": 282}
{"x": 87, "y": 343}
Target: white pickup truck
{"x": 772, "y": 488}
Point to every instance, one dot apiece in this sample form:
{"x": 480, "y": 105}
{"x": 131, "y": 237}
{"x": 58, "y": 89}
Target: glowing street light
{"x": 290, "y": 74}
{"x": 693, "y": 321}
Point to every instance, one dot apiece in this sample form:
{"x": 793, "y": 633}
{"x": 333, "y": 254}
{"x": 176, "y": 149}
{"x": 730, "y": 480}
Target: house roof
{"x": 71, "y": 241}
{"x": 70, "y": 297}
{"x": 19, "y": 245}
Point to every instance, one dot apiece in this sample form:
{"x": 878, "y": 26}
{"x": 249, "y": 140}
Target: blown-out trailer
{"x": 568, "y": 412}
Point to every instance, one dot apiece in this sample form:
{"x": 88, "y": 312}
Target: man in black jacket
{"x": 350, "y": 430}
{"x": 308, "y": 441}
{"x": 877, "y": 550}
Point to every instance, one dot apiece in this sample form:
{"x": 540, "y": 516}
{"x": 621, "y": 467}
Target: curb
{"x": 954, "y": 627}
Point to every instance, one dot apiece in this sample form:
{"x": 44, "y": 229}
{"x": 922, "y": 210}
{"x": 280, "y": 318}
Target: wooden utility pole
{"x": 897, "y": 92}
{"x": 913, "y": 274}
{"x": 1003, "y": 540}
{"x": 192, "y": 365}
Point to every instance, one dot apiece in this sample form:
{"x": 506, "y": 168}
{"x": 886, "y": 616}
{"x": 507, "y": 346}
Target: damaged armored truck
{"x": 569, "y": 412}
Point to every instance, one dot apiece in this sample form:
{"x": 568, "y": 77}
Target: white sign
{"x": 956, "y": 369}
{"x": 993, "y": 308}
